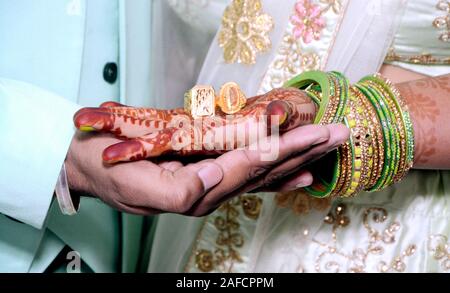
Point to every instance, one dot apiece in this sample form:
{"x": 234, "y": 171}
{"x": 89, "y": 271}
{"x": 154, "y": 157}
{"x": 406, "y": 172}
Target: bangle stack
{"x": 380, "y": 150}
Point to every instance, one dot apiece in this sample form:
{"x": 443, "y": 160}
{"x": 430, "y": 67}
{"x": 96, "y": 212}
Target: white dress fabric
{"x": 404, "y": 228}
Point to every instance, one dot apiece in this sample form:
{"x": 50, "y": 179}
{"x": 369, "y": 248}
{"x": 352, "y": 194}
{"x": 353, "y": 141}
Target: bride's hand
{"x": 148, "y": 132}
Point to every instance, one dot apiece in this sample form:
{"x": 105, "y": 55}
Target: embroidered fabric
{"x": 423, "y": 36}
{"x": 401, "y": 229}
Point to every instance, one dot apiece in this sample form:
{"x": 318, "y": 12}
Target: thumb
{"x": 189, "y": 184}
{"x": 210, "y": 175}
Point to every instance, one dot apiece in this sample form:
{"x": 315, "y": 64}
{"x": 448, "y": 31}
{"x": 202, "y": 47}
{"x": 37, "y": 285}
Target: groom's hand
{"x": 139, "y": 187}
{"x": 245, "y": 171}
{"x": 146, "y": 188}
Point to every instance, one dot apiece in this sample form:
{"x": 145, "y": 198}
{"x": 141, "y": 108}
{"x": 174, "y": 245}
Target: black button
{"x": 110, "y": 72}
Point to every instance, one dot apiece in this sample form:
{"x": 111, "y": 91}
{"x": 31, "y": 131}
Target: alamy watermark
{"x": 74, "y": 262}
{"x": 218, "y": 134}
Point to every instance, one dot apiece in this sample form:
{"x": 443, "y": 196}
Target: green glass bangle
{"x": 327, "y": 84}
{"x": 386, "y": 137}
{"x": 331, "y": 106}
{"x": 393, "y": 131}
{"x": 406, "y": 126}
{"x": 410, "y": 139}
{"x": 344, "y": 88}
{"x": 313, "y": 97}
{"x": 320, "y": 188}
{"x": 397, "y": 128}
{"x": 309, "y": 78}
{"x": 388, "y": 132}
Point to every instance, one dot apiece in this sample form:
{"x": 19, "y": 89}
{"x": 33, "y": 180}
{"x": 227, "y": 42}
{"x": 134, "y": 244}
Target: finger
{"x": 146, "y": 113}
{"x": 189, "y": 185}
{"x": 277, "y": 112}
{"x": 171, "y": 165}
{"x": 102, "y": 119}
{"x": 140, "y": 113}
{"x": 149, "y": 186}
{"x": 111, "y": 104}
{"x": 293, "y": 107}
{"x": 243, "y": 168}
{"x": 151, "y": 145}
{"x": 182, "y": 139}
{"x": 253, "y": 163}
{"x": 339, "y": 134}
{"x": 287, "y": 115}
{"x": 298, "y": 179}
{"x": 136, "y": 210}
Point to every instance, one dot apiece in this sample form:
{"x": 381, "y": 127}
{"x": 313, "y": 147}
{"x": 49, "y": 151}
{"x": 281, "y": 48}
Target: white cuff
{"x": 67, "y": 204}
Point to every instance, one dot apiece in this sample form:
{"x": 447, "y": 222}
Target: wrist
{"x": 75, "y": 177}
{"x": 69, "y": 202}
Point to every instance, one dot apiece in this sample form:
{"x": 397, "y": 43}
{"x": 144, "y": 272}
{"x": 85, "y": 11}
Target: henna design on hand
{"x": 426, "y": 99}
{"x": 148, "y": 132}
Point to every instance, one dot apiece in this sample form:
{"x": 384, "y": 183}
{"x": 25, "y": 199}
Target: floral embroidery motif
{"x": 338, "y": 218}
{"x": 296, "y": 52}
{"x": 335, "y": 5}
{"x": 229, "y": 239}
{"x": 292, "y": 60}
{"x": 308, "y": 21}
{"x": 335, "y": 259}
{"x": 301, "y": 203}
{"x": 245, "y": 31}
{"x": 439, "y": 246}
{"x": 293, "y": 57}
{"x": 443, "y": 22}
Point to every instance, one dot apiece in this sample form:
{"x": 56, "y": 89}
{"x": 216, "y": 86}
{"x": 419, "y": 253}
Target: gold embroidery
{"x": 204, "y": 260}
{"x": 245, "y": 31}
{"x": 302, "y": 203}
{"x": 229, "y": 239}
{"x": 443, "y": 22}
{"x": 292, "y": 60}
{"x": 297, "y": 53}
{"x": 426, "y": 59}
{"x": 335, "y": 5}
{"x": 336, "y": 260}
{"x": 252, "y": 206}
{"x": 338, "y": 218}
{"x": 439, "y": 246}
{"x": 294, "y": 57}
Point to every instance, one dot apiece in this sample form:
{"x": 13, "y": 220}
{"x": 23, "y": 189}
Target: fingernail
{"x": 86, "y": 128}
{"x": 339, "y": 143}
{"x": 210, "y": 175}
{"x": 303, "y": 183}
